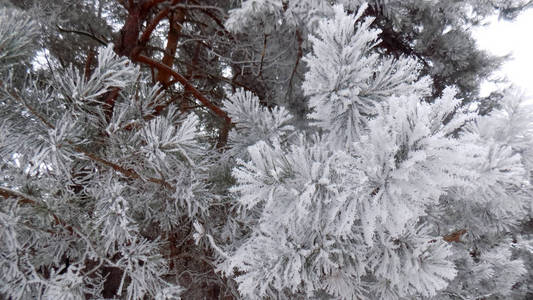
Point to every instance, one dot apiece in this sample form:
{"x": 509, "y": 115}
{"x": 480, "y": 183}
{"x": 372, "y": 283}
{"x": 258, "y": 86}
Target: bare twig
{"x": 219, "y": 22}
{"x": 299, "y": 55}
{"x": 85, "y": 33}
{"x": 262, "y": 55}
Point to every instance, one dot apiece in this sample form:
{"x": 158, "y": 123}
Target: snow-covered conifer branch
{"x": 18, "y": 34}
{"x": 352, "y": 176}
{"x": 254, "y": 123}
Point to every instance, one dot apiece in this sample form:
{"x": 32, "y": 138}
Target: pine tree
{"x": 351, "y": 213}
{"x": 349, "y": 171}
{"x": 85, "y": 191}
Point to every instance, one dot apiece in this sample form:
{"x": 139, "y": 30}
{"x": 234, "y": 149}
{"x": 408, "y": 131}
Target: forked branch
{"x": 186, "y": 84}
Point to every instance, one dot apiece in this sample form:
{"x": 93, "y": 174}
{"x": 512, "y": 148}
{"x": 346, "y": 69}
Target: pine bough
{"x": 360, "y": 205}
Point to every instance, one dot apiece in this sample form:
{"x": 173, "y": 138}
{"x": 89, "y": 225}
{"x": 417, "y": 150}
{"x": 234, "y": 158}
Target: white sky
{"x": 515, "y": 38}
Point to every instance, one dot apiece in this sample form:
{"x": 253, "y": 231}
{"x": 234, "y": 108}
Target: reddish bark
{"x": 175, "y": 20}
{"x": 109, "y": 103}
{"x": 88, "y": 62}
{"x": 454, "y": 236}
{"x": 152, "y": 25}
{"x": 129, "y": 34}
{"x": 215, "y": 109}
{"x": 149, "y": 4}
{"x": 131, "y": 42}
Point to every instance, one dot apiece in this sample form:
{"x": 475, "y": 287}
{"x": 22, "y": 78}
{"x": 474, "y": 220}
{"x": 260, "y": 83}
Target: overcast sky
{"x": 515, "y": 38}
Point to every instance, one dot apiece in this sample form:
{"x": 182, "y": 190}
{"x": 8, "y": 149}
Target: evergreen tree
{"x": 332, "y": 155}
{"x": 357, "y": 212}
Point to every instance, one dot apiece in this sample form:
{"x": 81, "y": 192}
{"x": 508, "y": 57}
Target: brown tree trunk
{"x": 176, "y": 18}
{"x": 129, "y": 34}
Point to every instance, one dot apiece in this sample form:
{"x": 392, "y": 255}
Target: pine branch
{"x": 23, "y": 199}
{"x": 31, "y": 109}
{"x": 26, "y": 199}
{"x": 162, "y": 67}
{"x": 126, "y": 172}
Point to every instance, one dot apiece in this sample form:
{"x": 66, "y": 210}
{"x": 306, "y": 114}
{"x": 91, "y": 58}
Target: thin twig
{"x": 85, "y": 33}
{"x": 299, "y": 55}
{"x": 259, "y": 74}
{"x": 23, "y": 199}
{"x": 219, "y": 22}
{"x": 455, "y": 295}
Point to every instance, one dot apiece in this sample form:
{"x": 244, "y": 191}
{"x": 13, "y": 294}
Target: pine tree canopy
{"x": 260, "y": 149}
